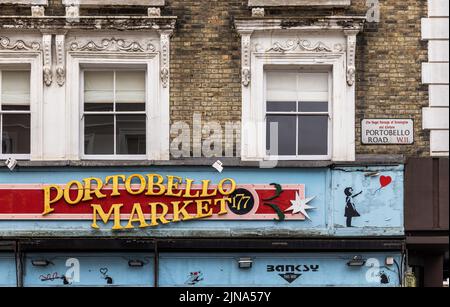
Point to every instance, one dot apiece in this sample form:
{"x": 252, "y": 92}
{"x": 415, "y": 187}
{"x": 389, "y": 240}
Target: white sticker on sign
{"x": 387, "y": 131}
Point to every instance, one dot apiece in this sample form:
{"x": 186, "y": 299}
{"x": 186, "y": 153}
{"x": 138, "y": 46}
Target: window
{"x": 302, "y": 90}
{"x": 114, "y": 113}
{"x": 15, "y": 113}
{"x": 298, "y": 103}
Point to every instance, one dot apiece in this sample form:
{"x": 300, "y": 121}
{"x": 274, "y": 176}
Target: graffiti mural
{"x": 350, "y": 207}
{"x": 194, "y": 278}
{"x": 373, "y": 199}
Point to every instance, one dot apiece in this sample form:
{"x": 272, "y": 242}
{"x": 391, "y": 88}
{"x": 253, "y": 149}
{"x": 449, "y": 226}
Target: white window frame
{"x": 329, "y": 41}
{"x": 304, "y": 69}
{"x": 342, "y": 140}
{"x": 157, "y": 103}
{"x": 32, "y": 63}
{"x": 113, "y": 113}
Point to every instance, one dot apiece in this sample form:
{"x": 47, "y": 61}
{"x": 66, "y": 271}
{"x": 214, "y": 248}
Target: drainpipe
{"x": 156, "y": 262}
{"x": 19, "y": 265}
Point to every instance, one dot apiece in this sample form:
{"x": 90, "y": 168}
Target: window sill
{"x": 361, "y": 160}
{"x": 26, "y": 2}
{"x": 103, "y": 3}
{"x": 292, "y": 3}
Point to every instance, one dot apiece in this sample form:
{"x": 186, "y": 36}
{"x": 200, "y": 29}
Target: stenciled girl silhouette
{"x": 350, "y": 208}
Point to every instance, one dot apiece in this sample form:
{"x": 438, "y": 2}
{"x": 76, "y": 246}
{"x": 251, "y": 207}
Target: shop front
{"x": 192, "y": 226}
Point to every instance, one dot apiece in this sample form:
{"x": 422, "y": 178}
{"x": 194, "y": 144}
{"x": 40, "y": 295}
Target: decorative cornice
{"x": 304, "y": 45}
{"x": 112, "y": 44}
{"x": 303, "y": 23}
{"x": 19, "y": 45}
{"x": 57, "y": 23}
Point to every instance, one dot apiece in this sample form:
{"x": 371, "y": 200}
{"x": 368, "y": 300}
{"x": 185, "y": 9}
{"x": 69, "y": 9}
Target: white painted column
{"x": 249, "y": 127}
{"x": 163, "y": 112}
{"x": 54, "y": 101}
{"x": 435, "y": 73}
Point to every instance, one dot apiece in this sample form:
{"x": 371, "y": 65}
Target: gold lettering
{"x": 115, "y": 209}
{"x": 187, "y": 192}
{"x": 151, "y": 185}
{"x": 205, "y": 187}
{"x": 177, "y": 211}
{"x": 79, "y": 189}
{"x": 222, "y": 185}
{"x": 223, "y": 202}
{"x": 97, "y": 190}
{"x": 137, "y": 210}
{"x": 47, "y": 198}
{"x": 203, "y": 208}
{"x": 154, "y": 214}
{"x": 172, "y": 184}
{"x": 115, "y": 183}
{"x": 129, "y": 182}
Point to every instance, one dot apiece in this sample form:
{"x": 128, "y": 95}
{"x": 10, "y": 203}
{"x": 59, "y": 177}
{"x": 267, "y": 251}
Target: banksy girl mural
{"x": 350, "y": 208}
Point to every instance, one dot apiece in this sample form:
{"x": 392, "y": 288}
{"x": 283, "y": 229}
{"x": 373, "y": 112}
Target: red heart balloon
{"x": 385, "y": 181}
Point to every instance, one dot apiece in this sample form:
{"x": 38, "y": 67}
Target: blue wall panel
{"x": 94, "y": 270}
{"x": 295, "y": 270}
{"x": 8, "y": 276}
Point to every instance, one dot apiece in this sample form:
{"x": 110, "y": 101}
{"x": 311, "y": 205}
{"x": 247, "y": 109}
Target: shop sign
{"x": 142, "y": 201}
{"x": 387, "y": 131}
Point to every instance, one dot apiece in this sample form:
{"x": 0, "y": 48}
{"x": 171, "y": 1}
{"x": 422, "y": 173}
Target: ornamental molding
{"x": 18, "y": 45}
{"x": 113, "y": 44}
{"x": 313, "y": 24}
{"x": 348, "y": 26}
{"x": 165, "y": 58}
{"x": 351, "y": 56}
{"x": 47, "y": 69}
{"x": 302, "y": 45}
{"x": 60, "y": 59}
{"x": 110, "y": 23}
{"x": 246, "y": 59}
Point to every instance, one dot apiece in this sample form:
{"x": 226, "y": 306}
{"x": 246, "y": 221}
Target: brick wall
{"x": 389, "y": 61}
{"x": 205, "y": 67}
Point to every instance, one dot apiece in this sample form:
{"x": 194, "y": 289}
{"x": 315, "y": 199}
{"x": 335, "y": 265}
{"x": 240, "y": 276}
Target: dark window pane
{"x": 313, "y": 135}
{"x": 98, "y": 107}
{"x": 99, "y": 135}
{"x": 130, "y": 107}
{"x": 131, "y": 136}
{"x": 313, "y": 106}
{"x": 281, "y": 106}
{"x": 16, "y": 134}
{"x": 286, "y": 134}
{"x": 15, "y": 108}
